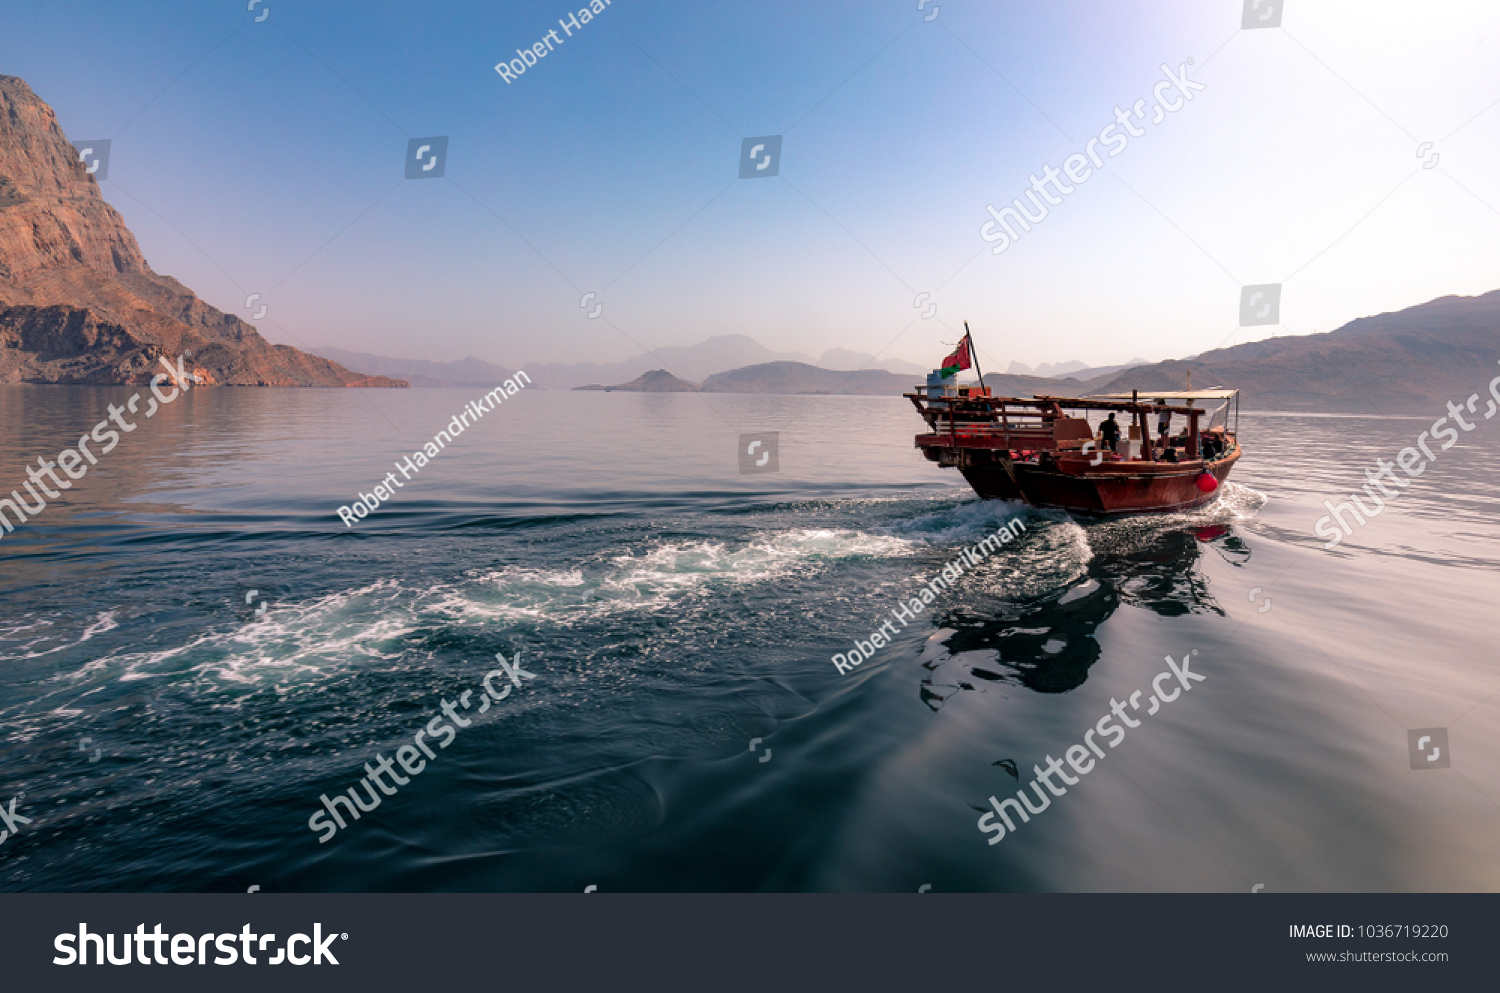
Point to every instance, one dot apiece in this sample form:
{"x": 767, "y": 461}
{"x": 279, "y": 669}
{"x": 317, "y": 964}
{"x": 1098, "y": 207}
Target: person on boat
{"x": 1163, "y": 420}
{"x": 1218, "y": 441}
{"x": 1110, "y": 432}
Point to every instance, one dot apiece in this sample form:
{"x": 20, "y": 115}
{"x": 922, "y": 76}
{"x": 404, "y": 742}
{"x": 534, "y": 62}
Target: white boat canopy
{"x": 1149, "y": 395}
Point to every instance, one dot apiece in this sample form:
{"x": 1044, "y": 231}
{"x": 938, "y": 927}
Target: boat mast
{"x": 974, "y": 354}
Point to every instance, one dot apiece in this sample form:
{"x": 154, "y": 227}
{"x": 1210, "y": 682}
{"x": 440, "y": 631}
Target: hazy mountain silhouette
{"x": 1408, "y": 361}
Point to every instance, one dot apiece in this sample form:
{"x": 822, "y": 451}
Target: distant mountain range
{"x": 694, "y": 363}
{"x": 1410, "y": 361}
{"x": 1071, "y": 370}
{"x": 843, "y": 360}
{"x": 1407, "y": 361}
{"x": 421, "y": 372}
{"x": 795, "y": 377}
{"x": 801, "y": 378}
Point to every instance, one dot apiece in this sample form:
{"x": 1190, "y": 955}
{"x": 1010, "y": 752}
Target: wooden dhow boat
{"x": 1044, "y": 449}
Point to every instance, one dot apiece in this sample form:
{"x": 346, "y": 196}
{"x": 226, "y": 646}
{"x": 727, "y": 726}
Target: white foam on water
{"x": 965, "y": 522}
{"x": 1237, "y": 501}
{"x": 1055, "y": 554}
{"x": 650, "y": 575}
{"x": 305, "y": 642}
{"x": 23, "y": 633}
{"x": 764, "y": 557}
{"x": 106, "y": 622}
{"x": 506, "y": 595}
{"x": 293, "y": 642}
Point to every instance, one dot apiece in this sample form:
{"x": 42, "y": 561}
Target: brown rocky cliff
{"x": 78, "y": 301}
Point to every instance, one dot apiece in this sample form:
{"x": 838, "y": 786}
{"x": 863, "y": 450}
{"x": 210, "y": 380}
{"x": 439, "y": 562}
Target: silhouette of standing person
{"x": 1110, "y": 432}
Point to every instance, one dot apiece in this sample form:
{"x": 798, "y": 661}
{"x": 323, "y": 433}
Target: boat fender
{"x": 1207, "y": 483}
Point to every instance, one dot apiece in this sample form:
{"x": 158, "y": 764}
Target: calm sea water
{"x": 166, "y": 736}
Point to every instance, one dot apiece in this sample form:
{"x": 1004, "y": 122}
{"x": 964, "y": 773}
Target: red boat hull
{"x": 1136, "y": 493}
{"x": 1071, "y": 483}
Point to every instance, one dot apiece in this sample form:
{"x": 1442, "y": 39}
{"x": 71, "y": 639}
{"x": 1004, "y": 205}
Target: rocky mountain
{"x": 78, "y": 301}
{"x": 655, "y": 381}
{"x": 1410, "y": 361}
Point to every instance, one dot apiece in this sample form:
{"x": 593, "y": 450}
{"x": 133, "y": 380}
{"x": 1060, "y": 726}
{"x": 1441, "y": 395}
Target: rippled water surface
{"x": 167, "y": 736}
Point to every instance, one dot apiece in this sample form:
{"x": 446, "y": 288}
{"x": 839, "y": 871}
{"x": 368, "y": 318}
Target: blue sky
{"x": 267, "y": 157}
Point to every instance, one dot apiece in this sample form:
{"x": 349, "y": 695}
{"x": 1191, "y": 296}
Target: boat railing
{"x": 996, "y": 422}
{"x": 974, "y": 417}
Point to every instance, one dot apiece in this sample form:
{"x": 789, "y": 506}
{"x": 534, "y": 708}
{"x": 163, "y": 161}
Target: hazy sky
{"x": 268, "y": 157}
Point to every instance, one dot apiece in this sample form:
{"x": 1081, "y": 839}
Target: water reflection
{"x": 1048, "y": 644}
